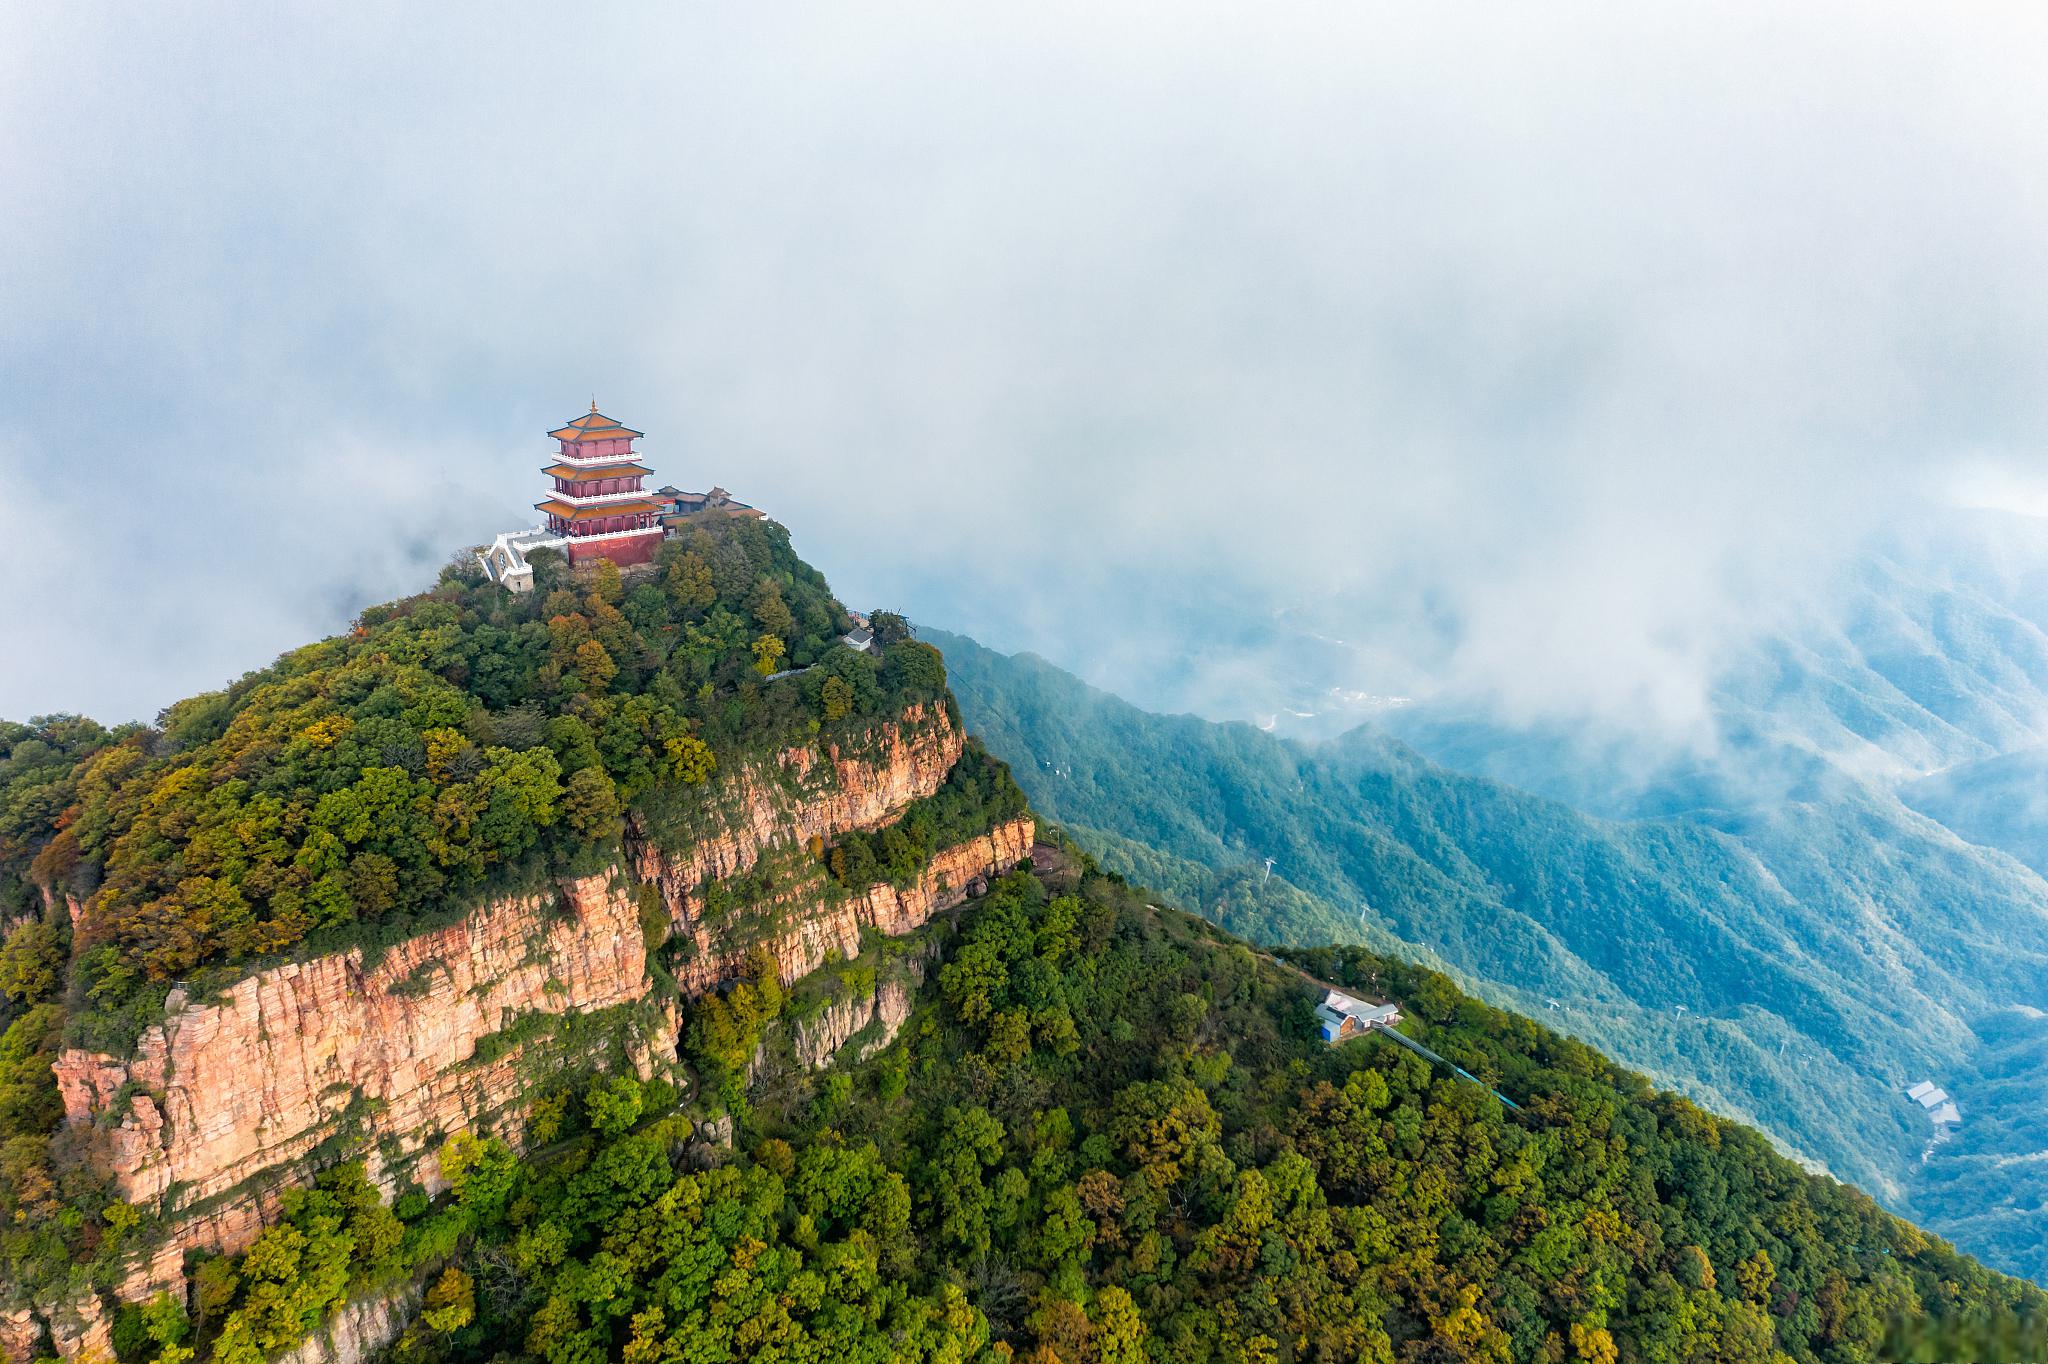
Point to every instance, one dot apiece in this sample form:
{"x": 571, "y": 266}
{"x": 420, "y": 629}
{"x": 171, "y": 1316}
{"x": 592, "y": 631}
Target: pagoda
{"x": 598, "y": 507}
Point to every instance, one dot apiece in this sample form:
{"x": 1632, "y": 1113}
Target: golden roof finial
{"x": 593, "y": 402}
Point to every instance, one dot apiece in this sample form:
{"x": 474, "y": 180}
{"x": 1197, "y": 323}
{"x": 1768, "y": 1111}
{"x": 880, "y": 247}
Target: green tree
{"x": 1119, "y": 1333}
{"x": 973, "y": 1142}
{"x": 31, "y": 961}
{"x": 590, "y": 804}
{"x": 613, "y": 1105}
{"x": 769, "y": 611}
{"x": 481, "y": 1171}
{"x": 837, "y": 697}
{"x": 1161, "y": 1126}
{"x": 889, "y": 627}
{"x": 451, "y": 1302}
{"x": 595, "y": 666}
{"x": 165, "y": 1324}
{"x": 689, "y": 581}
{"x": 690, "y": 760}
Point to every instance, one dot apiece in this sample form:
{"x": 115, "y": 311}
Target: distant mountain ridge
{"x": 1999, "y": 802}
{"x": 1796, "y": 965}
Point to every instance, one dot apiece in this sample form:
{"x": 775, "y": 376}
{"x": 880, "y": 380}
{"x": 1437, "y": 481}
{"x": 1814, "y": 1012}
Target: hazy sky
{"x": 1576, "y": 339}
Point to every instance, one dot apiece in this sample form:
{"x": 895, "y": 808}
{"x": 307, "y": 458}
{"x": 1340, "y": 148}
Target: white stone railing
{"x": 594, "y": 461}
{"x": 598, "y": 499}
{"x": 612, "y": 535}
{"x": 505, "y": 561}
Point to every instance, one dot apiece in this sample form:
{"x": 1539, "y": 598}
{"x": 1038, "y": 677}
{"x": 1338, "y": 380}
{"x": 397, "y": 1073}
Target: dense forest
{"x": 1109, "y": 1134}
{"x": 1796, "y": 967}
{"x": 449, "y": 747}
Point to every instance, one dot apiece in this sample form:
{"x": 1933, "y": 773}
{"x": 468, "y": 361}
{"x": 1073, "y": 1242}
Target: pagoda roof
{"x": 594, "y": 425}
{"x": 630, "y": 506}
{"x": 579, "y": 472}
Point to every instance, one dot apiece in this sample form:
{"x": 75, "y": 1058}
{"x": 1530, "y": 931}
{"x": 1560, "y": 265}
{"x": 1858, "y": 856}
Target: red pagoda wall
{"x": 596, "y": 449}
{"x": 588, "y": 487}
{"x": 625, "y": 552}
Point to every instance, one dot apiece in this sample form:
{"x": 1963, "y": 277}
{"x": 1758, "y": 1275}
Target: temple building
{"x": 718, "y": 502}
{"x": 597, "y": 508}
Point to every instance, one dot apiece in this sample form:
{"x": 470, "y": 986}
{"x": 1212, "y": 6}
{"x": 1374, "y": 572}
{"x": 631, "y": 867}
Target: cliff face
{"x": 954, "y": 874}
{"x": 359, "y": 1331}
{"x": 805, "y": 793}
{"x": 222, "y": 1094}
{"x": 817, "y": 794}
{"x": 816, "y": 1041}
{"x": 802, "y": 924}
{"x": 226, "y": 1102}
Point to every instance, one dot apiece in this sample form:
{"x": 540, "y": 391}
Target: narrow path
{"x": 1426, "y": 1054}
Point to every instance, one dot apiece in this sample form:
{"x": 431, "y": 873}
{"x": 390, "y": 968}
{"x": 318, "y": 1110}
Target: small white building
{"x": 1928, "y": 1095}
{"x": 1947, "y": 1115}
{"x": 1343, "y": 1018}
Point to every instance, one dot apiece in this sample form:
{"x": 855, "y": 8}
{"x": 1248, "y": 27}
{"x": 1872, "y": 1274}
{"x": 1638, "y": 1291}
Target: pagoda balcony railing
{"x": 596, "y": 461}
{"x": 655, "y": 529}
{"x": 599, "y": 499}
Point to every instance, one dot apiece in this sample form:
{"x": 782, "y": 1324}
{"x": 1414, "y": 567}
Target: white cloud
{"x": 1551, "y": 343}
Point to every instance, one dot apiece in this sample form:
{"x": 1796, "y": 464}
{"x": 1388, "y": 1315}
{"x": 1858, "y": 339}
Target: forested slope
{"x": 1108, "y": 1133}
{"x": 1797, "y": 967}
{"x": 1997, "y": 802}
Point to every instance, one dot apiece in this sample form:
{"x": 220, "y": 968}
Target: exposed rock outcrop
{"x": 80, "y": 1331}
{"x": 806, "y": 794}
{"x": 816, "y": 1040}
{"x": 153, "y": 1269}
{"x": 358, "y": 1331}
{"x": 220, "y": 1093}
{"x": 21, "y": 1331}
{"x": 954, "y": 874}
{"x": 804, "y": 925}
